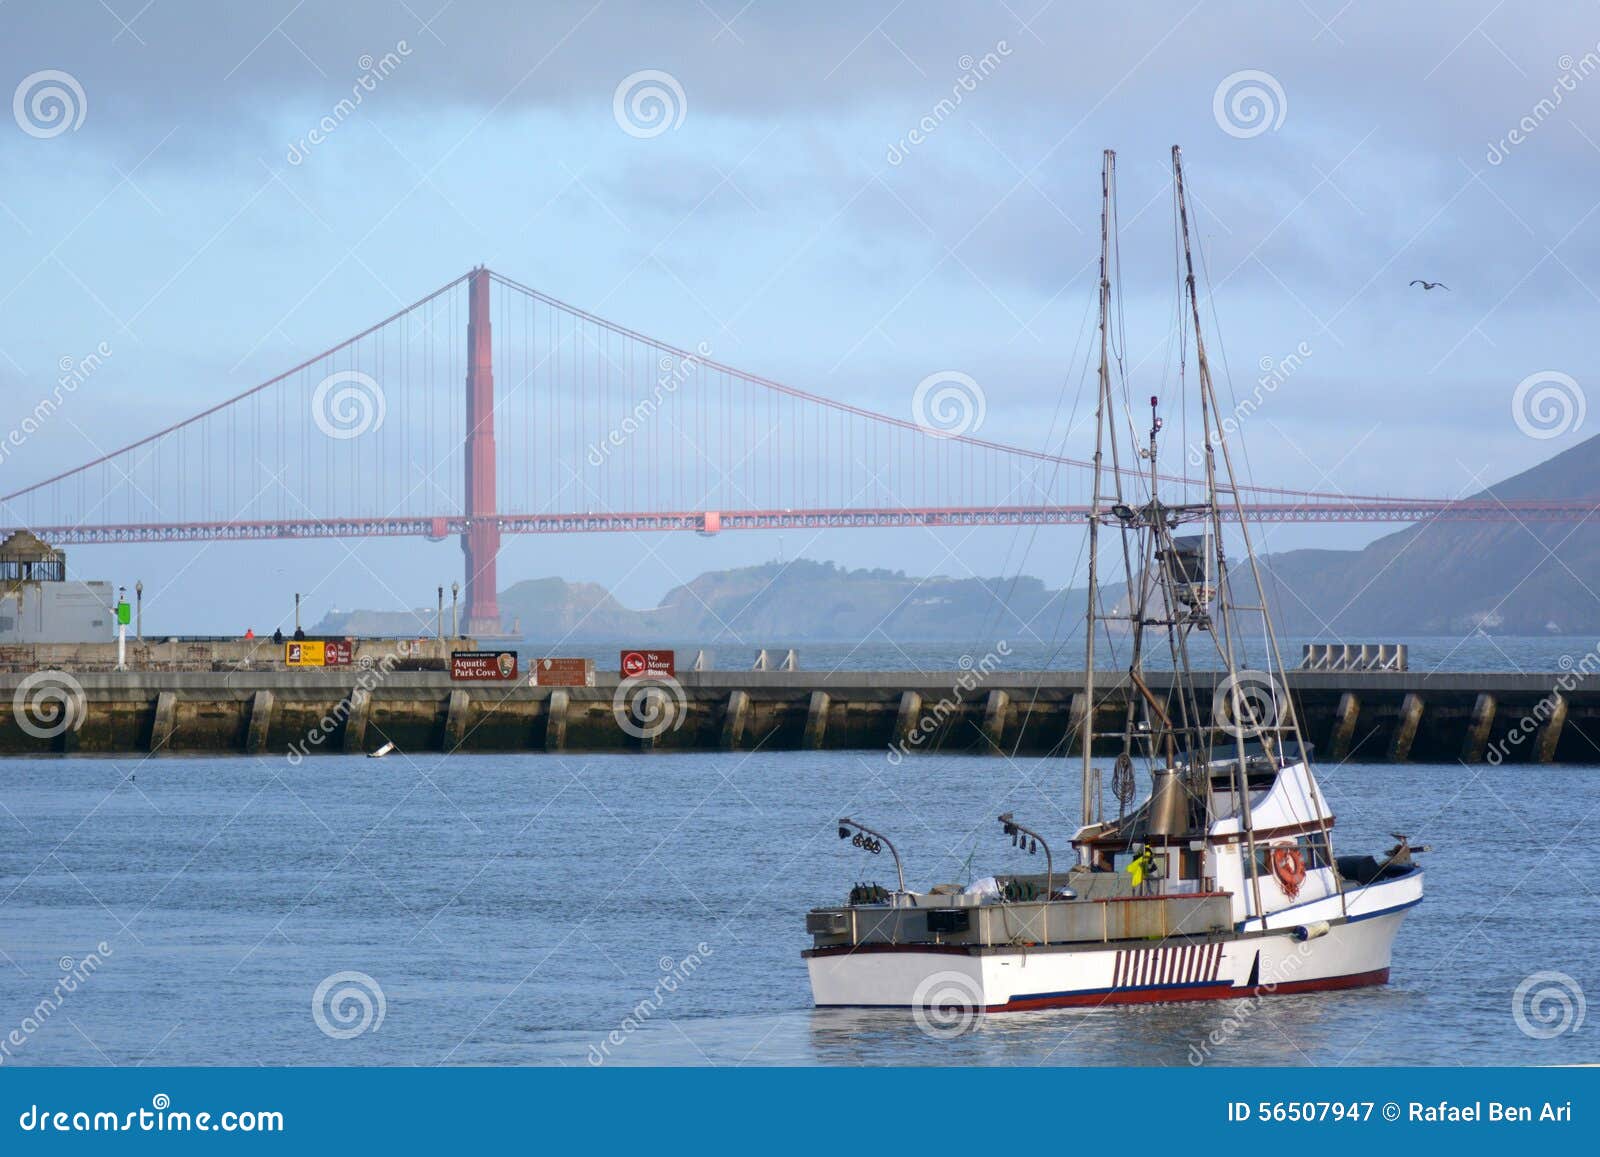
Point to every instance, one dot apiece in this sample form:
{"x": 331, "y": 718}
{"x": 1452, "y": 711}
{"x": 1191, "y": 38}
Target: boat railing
{"x": 1035, "y": 922}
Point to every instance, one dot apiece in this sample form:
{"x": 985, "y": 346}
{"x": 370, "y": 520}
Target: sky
{"x": 823, "y": 212}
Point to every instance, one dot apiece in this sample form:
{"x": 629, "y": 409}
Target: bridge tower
{"x": 481, "y": 542}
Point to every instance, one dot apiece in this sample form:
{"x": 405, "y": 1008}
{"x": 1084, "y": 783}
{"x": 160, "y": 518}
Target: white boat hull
{"x": 1353, "y": 952}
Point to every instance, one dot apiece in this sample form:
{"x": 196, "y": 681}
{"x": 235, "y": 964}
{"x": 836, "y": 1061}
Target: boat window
{"x": 1313, "y": 851}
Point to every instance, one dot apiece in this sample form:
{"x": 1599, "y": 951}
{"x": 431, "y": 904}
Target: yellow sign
{"x": 304, "y": 653}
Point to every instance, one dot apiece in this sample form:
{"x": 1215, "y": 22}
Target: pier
{"x": 1352, "y": 716}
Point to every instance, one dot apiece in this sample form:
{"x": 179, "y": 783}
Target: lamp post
{"x": 297, "y": 614}
{"x": 438, "y": 619}
{"x": 138, "y": 609}
{"x": 455, "y": 620}
{"x": 869, "y": 839}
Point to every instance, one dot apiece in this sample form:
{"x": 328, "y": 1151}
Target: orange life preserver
{"x": 1290, "y": 869}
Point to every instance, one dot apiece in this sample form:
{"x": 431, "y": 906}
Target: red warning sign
{"x": 648, "y": 664}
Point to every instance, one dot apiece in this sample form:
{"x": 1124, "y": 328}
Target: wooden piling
{"x": 1344, "y": 727}
{"x": 355, "y": 721}
{"x": 455, "y": 720}
{"x": 1482, "y": 722}
{"x": 255, "y": 737}
{"x": 734, "y": 719}
{"x": 994, "y": 720}
{"x": 1078, "y": 724}
{"x": 816, "y": 721}
{"x": 906, "y": 720}
{"x": 555, "y": 720}
{"x": 1405, "y": 731}
{"x": 165, "y": 720}
{"x": 1549, "y": 734}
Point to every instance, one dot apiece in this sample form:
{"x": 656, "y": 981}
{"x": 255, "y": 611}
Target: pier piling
{"x": 1477, "y": 740}
{"x": 255, "y": 739}
{"x": 1549, "y": 735}
{"x": 1405, "y": 729}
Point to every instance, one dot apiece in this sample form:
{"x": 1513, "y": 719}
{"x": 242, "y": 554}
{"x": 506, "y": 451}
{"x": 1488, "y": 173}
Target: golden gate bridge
{"x": 399, "y": 430}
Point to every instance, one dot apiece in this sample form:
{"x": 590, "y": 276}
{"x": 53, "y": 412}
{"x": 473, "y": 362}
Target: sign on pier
{"x": 562, "y": 673}
{"x": 483, "y": 666}
{"x": 648, "y": 664}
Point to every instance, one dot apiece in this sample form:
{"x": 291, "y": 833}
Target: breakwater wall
{"x": 1359, "y": 716}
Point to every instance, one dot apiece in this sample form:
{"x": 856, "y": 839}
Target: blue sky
{"x": 171, "y": 226}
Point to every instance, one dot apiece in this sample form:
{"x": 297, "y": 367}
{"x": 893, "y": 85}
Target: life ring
{"x": 1290, "y": 868}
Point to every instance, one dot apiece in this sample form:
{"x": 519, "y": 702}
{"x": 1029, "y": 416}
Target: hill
{"x": 1511, "y": 578}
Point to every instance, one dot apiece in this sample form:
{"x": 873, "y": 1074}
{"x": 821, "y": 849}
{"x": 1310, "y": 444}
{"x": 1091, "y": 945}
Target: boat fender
{"x": 1311, "y": 931}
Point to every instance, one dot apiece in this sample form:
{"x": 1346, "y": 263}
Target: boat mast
{"x": 1102, "y": 413}
{"x": 1224, "y": 606}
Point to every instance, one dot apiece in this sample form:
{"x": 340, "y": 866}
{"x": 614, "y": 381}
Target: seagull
{"x": 1432, "y": 285}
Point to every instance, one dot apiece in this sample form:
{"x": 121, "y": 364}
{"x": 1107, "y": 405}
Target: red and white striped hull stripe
{"x": 1167, "y": 965}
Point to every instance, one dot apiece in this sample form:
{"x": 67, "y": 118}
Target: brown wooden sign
{"x": 562, "y": 673}
{"x": 483, "y": 666}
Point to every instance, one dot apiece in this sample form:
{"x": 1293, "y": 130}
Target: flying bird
{"x": 1432, "y": 285}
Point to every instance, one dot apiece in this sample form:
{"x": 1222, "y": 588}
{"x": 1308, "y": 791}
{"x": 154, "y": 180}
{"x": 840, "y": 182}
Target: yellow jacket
{"x": 1139, "y": 865}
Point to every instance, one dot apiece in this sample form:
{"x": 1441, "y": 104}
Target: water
{"x": 517, "y": 910}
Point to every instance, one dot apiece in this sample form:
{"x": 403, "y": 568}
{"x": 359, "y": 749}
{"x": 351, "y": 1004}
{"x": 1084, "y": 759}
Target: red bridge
{"x": 393, "y": 432}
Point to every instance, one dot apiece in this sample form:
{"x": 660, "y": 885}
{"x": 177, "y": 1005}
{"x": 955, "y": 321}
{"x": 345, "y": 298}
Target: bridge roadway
{"x": 1360, "y": 717}
{"x": 713, "y": 522}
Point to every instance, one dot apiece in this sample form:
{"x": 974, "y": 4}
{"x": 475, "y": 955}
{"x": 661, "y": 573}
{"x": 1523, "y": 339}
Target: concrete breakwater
{"x": 1383, "y": 716}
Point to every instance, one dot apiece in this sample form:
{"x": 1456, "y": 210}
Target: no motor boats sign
{"x": 648, "y": 664}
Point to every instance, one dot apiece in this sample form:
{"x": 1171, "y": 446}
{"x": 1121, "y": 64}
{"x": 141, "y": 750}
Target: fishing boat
{"x": 1223, "y": 881}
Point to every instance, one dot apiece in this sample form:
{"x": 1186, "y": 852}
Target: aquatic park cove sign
{"x": 483, "y": 666}
{"x": 648, "y": 664}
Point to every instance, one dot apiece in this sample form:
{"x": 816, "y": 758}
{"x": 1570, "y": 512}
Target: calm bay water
{"x": 517, "y": 910}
